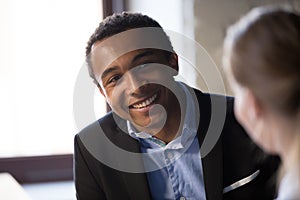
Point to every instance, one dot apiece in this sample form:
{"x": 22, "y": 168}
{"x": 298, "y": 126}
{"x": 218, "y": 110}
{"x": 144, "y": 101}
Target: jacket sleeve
{"x": 86, "y": 185}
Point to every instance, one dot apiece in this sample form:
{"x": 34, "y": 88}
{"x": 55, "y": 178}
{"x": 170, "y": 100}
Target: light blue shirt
{"x": 178, "y": 169}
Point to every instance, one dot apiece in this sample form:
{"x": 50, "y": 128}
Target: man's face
{"x": 135, "y": 83}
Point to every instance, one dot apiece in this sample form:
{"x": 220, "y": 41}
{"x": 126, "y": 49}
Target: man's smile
{"x": 145, "y": 103}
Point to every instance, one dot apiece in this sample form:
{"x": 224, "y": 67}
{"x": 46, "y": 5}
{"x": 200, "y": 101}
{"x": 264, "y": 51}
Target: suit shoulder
{"x": 105, "y": 120}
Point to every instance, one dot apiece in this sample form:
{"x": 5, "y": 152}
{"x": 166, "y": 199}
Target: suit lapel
{"x": 212, "y": 163}
{"x": 136, "y": 183}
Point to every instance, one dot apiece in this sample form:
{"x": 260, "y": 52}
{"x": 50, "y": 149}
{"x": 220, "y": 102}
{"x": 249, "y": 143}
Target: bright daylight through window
{"x": 42, "y": 51}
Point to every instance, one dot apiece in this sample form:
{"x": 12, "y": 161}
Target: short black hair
{"x": 117, "y": 23}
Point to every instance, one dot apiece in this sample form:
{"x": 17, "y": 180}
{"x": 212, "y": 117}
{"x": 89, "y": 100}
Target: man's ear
{"x": 173, "y": 61}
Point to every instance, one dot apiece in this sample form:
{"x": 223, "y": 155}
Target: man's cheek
{"x": 117, "y": 106}
{"x": 109, "y": 102}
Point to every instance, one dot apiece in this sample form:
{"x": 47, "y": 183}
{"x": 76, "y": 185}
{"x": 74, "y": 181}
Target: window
{"x": 42, "y": 53}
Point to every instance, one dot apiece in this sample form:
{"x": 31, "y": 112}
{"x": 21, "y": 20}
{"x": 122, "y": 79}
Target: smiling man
{"x": 150, "y": 145}
{"x": 134, "y": 84}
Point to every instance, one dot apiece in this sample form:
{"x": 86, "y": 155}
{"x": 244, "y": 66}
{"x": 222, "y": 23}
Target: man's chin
{"x": 150, "y": 126}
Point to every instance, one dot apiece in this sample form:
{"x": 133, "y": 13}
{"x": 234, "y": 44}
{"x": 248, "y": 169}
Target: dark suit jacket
{"x": 234, "y": 163}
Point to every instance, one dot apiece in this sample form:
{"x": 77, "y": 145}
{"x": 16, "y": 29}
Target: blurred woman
{"x": 262, "y": 61}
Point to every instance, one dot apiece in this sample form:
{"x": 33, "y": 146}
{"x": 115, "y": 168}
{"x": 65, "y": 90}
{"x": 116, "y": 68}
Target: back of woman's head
{"x": 262, "y": 52}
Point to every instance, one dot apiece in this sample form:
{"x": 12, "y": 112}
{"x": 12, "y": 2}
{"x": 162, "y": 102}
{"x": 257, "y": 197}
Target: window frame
{"x": 32, "y": 169}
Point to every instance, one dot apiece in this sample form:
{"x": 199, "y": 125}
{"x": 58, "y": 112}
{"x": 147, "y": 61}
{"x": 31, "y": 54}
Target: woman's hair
{"x": 262, "y": 51}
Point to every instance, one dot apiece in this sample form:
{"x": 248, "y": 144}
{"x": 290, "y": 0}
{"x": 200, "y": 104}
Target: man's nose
{"x": 134, "y": 83}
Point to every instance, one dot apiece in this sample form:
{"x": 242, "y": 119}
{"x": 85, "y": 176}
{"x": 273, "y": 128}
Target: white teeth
{"x": 145, "y": 103}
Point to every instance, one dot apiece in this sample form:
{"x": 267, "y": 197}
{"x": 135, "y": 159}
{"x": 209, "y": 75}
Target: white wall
{"x": 212, "y": 17}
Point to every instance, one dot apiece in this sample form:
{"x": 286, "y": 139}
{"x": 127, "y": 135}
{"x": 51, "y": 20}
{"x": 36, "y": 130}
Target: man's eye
{"x": 114, "y": 79}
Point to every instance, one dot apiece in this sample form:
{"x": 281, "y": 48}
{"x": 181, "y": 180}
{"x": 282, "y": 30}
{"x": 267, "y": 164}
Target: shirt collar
{"x": 189, "y": 129}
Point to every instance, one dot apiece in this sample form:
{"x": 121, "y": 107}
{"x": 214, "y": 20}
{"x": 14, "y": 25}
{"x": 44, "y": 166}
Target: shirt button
{"x": 182, "y": 198}
{"x": 170, "y": 155}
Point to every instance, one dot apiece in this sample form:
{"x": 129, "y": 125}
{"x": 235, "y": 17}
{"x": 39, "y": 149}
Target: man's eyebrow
{"x": 141, "y": 55}
{"x": 107, "y": 71}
